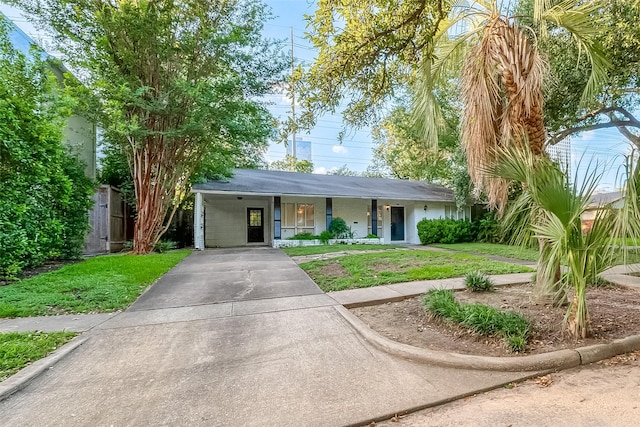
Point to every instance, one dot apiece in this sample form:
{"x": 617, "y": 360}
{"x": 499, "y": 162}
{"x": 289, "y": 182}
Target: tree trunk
{"x": 578, "y": 314}
{"x": 548, "y": 289}
{"x": 151, "y": 181}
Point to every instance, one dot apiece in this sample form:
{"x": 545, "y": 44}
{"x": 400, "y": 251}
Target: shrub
{"x": 325, "y": 236}
{"x": 445, "y": 231}
{"x": 485, "y": 320}
{"x": 339, "y": 229}
{"x": 45, "y": 195}
{"x": 478, "y": 282}
{"x": 488, "y": 229}
{"x": 303, "y": 236}
{"x": 164, "y": 246}
{"x": 372, "y": 236}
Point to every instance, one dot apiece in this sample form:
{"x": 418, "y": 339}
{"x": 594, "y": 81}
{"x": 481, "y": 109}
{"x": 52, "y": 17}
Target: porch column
{"x": 374, "y": 217}
{"x": 329, "y": 206}
{"x": 277, "y": 218}
{"x": 198, "y": 223}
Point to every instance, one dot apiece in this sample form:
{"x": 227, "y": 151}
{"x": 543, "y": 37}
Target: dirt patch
{"x": 333, "y": 269}
{"x": 614, "y": 313}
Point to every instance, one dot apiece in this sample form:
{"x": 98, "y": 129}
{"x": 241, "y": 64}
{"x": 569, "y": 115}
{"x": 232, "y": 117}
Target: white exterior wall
{"x": 226, "y": 220}
{"x": 319, "y": 213}
{"x": 354, "y": 213}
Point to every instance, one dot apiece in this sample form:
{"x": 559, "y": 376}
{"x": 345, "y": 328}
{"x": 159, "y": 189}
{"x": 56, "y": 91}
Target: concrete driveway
{"x": 233, "y": 337}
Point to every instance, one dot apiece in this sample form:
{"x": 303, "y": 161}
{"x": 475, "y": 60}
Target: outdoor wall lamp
{"x": 425, "y": 207}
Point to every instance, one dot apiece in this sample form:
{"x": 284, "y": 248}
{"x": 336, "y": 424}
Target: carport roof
{"x": 278, "y": 183}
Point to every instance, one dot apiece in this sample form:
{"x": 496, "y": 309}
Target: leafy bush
{"x": 164, "y": 246}
{"x": 372, "y": 236}
{"x": 488, "y": 229}
{"x": 478, "y": 282}
{"x": 45, "y": 195}
{"x": 485, "y": 320}
{"x": 445, "y": 231}
{"x": 325, "y": 236}
{"x": 303, "y": 236}
{"x": 339, "y": 229}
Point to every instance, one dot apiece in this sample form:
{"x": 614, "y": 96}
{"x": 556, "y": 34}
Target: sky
{"x": 607, "y": 147}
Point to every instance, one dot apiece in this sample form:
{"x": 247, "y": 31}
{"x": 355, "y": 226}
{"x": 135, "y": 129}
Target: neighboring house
{"x": 79, "y": 133}
{"x": 614, "y": 199}
{"x": 260, "y": 207}
{"x": 109, "y": 218}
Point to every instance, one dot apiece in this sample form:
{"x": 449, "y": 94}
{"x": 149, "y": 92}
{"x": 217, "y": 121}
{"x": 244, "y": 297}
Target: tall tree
{"x": 616, "y": 106}
{"x": 173, "y": 81}
{"x": 292, "y": 164}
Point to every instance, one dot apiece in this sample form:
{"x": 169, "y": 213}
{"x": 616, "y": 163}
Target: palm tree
{"x": 554, "y": 207}
{"x": 502, "y": 79}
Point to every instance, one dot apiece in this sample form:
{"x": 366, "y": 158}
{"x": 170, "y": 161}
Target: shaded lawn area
{"x": 365, "y": 270}
{"x": 18, "y": 349}
{"x": 509, "y": 251}
{"x": 101, "y": 284}
{"x": 325, "y": 249}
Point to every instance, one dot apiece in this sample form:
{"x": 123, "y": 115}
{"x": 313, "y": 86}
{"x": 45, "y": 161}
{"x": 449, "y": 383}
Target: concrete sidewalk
{"x": 225, "y": 339}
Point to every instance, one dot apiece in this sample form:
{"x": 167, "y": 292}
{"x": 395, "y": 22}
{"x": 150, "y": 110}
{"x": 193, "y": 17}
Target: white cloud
{"x": 340, "y": 149}
{"x": 320, "y": 170}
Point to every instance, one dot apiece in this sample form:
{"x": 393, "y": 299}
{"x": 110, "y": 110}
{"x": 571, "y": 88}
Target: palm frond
{"x": 577, "y": 19}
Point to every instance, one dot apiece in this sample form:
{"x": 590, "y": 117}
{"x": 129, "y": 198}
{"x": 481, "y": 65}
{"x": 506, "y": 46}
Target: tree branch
{"x": 614, "y": 122}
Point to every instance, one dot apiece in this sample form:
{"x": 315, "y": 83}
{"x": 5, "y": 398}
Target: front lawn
{"x": 381, "y": 268}
{"x": 17, "y": 350}
{"x": 324, "y": 249}
{"x": 101, "y": 284}
{"x": 508, "y": 251}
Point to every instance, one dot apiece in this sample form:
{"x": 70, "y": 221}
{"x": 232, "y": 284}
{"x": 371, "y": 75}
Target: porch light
{"x": 425, "y": 207}
{"x": 386, "y": 207}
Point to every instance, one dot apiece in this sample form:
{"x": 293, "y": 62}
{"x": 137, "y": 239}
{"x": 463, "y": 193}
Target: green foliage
{"x": 19, "y": 349}
{"x": 325, "y": 236}
{"x": 303, "y": 236}
{"x": 488, "y": 228}
{"x": 292, "y": 164}
{"x": 366, "y": 51}
{"x": 174, "y": 85}
{"x": 101, "y": 284}
{"x": 382, "y": 268}
{"x": 44, "y": 195}
{"x": 339, "y": 229}
{"x": 164, "y": 246}
{"x": 477, "y": 281}
{"x": 485, "y": 320}
{"x": 445, "y": 231}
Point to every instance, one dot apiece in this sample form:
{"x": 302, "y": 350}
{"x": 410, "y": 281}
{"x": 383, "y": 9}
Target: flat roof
{"x": 276, "y": 183}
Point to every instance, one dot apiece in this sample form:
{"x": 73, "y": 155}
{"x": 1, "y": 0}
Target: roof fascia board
{"x": 244, "y": 193}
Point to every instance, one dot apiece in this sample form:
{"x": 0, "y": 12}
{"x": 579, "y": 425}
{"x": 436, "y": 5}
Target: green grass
{"x": 324, "y": 249}
{"x": 101, "y": 284}
{"x": 17, "y": 350}
{"x": 627, "y": 241}
{"x": 480, "y": 318}
{"x": 507, "y": 251}
{"x": 380, "y": 268}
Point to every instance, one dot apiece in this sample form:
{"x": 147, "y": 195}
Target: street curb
{"x": 552, "y": 361}
{"x": 22, "y": 378}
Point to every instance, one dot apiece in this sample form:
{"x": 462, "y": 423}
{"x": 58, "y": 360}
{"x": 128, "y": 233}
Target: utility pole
{"x": 293, "y": 102}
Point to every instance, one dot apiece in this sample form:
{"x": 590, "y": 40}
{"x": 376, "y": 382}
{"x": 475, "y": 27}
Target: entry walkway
{"x": 234, "y": 337}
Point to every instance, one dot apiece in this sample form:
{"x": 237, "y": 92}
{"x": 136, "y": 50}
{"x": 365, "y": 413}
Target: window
{"x": 380, "y": 228}
{"x": 298, "y": 218}
{"x": 451, "y": 212}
